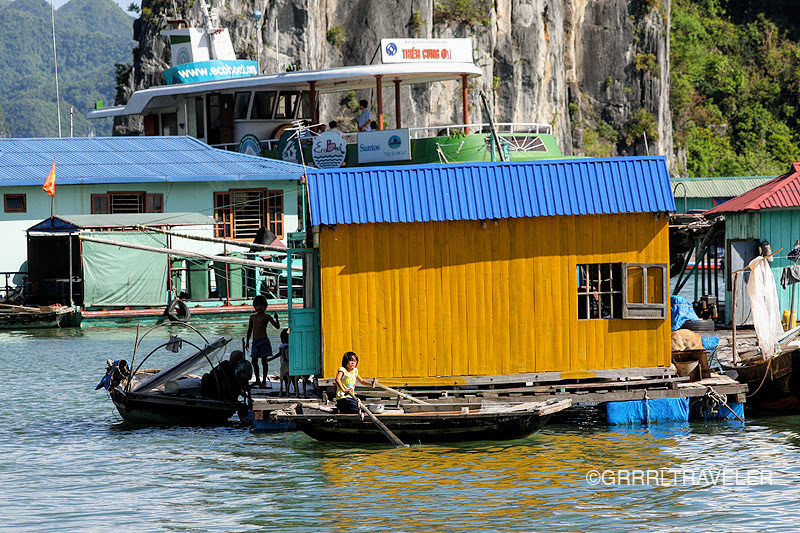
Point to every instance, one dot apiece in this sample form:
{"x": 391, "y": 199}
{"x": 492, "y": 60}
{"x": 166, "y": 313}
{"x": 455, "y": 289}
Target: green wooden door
{"x": 305, "y": 346}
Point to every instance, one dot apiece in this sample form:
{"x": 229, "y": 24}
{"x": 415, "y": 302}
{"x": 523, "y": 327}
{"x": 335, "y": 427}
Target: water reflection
{"x": 73, "y": 465}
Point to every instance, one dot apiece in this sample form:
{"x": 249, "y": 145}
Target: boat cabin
{"x": 251, "y": 113}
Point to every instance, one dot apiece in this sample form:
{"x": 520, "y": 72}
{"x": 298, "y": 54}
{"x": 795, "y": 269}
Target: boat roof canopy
{"x": 325, "y": 81}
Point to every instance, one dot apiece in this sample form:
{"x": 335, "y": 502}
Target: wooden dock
{"x": 605, "y": 386}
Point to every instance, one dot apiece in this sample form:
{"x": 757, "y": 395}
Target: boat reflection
{"x": 533, "y": 480}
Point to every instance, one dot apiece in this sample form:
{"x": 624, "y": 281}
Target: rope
{"x": 767, "y": 371}
{"x": 712, "y": 400}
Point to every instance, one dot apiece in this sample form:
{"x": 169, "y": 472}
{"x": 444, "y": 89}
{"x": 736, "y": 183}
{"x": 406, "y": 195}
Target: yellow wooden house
{"x": 451, "y": 274}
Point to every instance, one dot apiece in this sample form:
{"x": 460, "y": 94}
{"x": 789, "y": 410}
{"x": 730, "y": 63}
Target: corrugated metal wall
{"x": 420, "y": 300}
{"x": 782, "y": 228}
{"x": 745, "y": 225}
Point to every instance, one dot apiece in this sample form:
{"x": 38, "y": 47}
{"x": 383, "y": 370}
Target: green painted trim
{"x": 470, "y": 148}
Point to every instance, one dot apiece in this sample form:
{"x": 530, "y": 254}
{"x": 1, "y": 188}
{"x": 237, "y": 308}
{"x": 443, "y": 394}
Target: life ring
{"x": 280, "y": 130}
{"x": 178, "y": 311}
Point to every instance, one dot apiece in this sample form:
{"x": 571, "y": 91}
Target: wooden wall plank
{"x": 456, "y": 299}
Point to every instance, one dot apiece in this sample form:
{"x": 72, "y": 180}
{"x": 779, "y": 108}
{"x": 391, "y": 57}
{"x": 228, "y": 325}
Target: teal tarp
{"x": 118, "y": 277}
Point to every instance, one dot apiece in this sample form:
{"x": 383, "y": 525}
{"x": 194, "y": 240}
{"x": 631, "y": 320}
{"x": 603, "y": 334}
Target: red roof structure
{"x": 783, "y": 191}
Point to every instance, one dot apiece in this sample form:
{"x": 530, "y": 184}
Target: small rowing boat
{"x": 22, "y": 317}
{"x": 181, "y": 394}
{"x": 424, "y": 423}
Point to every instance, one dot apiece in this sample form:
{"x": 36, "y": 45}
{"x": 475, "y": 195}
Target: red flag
{"x": 50, "y": 183}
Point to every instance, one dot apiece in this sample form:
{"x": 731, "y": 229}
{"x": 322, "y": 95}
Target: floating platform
{"x": 649, "y": 386}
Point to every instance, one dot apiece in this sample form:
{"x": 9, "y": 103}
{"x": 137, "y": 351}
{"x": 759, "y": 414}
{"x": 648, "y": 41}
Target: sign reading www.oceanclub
{"x": 210, "y": 70}
{"x": 426, "y": 50}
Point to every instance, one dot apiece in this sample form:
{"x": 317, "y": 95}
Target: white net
{"x": 764, "y": 305}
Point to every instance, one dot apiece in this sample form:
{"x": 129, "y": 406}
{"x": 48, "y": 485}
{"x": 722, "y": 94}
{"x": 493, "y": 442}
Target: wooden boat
{"x": 23, "y": 317}
{"x": 415, "y": 423}
{"x": 178, "y": 395}
{"x": 770, "y": 385}
{"x": 174, "y": 410}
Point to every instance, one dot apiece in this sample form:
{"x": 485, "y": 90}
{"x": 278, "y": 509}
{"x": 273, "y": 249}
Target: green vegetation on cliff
{"x": 735, "y": 69}
{"x": 91, "y": 35}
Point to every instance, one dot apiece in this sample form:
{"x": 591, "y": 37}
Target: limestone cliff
{"x": 597, "y": 70}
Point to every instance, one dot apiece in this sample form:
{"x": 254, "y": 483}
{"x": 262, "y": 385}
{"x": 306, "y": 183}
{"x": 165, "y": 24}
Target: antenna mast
{"x": 55, "y": 62}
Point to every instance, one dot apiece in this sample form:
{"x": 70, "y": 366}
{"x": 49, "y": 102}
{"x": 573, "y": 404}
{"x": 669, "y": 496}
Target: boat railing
{"x": 502, "y": 128}
{"x": 8, "y": 287}
{"x": 480, "y": 128}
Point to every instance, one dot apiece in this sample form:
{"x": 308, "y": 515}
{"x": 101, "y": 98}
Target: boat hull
{"x": 33, "y": 320}
{"x": 771, "y": 386}
{"x": 421, "y": 428}
{"x": 163, "y": 409}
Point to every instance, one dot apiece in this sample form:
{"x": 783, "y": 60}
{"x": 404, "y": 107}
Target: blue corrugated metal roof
{"x": 84, "y": 160}
{"x": 477, "y": 191}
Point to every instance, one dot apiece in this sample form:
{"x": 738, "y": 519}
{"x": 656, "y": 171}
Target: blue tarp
{"x": 710, "y": 343}
{"x": 702, "y": 411}
{"x": 682, "y": 311}
{"x": 648, "y": 411}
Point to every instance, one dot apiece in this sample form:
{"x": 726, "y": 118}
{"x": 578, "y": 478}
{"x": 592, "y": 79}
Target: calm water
{"x": 67, "y": 463}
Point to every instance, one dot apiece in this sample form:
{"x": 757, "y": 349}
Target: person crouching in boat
{"x": 346, "y": 378}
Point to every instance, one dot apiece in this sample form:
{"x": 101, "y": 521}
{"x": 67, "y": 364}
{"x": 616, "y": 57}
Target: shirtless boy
{"x": 262, "y": 349}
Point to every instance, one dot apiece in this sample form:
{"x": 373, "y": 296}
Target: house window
{"x": 240, "y": 213}
{"x": 622, "y": 290}
{"x": 14, "y": 203}
{"x": 301, "y": 208}
{"x": 599, "y": 291}
{"x": 223, "y": 222}
{"x": 127, "y": 202}
{"x": 646, "y": 290}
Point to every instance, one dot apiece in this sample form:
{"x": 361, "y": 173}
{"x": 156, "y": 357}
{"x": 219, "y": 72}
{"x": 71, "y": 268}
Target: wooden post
{"x": 734, "y": 355}
{"x": 227, "y": 277}
{"x": 380, "y": 101}
{"x": 465, "y": 101}
{"x": 792, "y": 317}
{"x": 314, "y": 108}
{"x": 397, "y": 107}
{"x": 716, "y": 271}
{"x": 69, "y": 236}
{"x": 170, "y": 285}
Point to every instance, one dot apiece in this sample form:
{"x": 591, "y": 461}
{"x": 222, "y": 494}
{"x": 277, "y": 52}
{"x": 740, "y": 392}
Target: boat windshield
{"x": 207, "y": 358}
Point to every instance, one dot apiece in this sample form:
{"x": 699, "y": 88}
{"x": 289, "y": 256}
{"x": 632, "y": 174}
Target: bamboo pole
{"x": 400, "y": 394}
{"x": 241, "y": 244}
{"x": 193, "y": 255}
{"x": 734, "y": 355}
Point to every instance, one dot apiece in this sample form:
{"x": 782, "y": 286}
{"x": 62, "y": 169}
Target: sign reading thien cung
{"x": 210, "y": 70}
{"x": 386, "y": 145}
{"x": 426, "y": 50}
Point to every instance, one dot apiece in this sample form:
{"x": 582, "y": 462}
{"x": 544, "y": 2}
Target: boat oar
{"x": 400, "y": 394}
{"x": 386, "y": 431}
